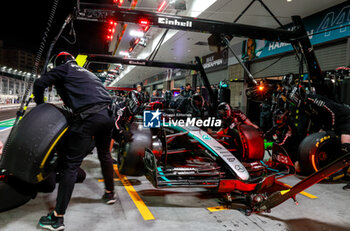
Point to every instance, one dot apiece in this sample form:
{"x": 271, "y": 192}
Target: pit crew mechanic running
{"x": 85, "y": 95}
{"x": 326, "y": 113}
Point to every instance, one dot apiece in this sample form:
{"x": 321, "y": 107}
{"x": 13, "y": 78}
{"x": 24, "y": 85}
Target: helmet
{"x": 224, "y": 111}
{"x": 296, "y": 95}
{"x": 134, "y": 102}
{"x": 62, "y": 58}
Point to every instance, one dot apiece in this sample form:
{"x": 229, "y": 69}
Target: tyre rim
{"x": 322, "y": 158}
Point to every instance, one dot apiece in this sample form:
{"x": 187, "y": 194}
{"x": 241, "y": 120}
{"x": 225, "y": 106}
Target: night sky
{"x": 23, "y": 23}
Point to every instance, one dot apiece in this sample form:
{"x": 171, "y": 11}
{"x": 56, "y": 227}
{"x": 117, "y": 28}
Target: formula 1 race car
{"x": 187, "y": 156}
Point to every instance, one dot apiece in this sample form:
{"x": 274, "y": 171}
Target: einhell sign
{"x": 215, "y": 61}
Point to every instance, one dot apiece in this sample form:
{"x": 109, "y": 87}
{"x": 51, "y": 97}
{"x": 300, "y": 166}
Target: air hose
{"x": 25, "y": 102}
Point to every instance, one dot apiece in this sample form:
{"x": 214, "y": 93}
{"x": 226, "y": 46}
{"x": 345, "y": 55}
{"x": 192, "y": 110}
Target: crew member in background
{"x": 84, "y": 93}
{"x": 125, "y": 116}
{"x": 146, "y": 97}
{"x": 196, "y": 106}
{"x": 154, "y": 96}
{"x": 142, "y": 95}
{"x": 265, "y": 115}
{"x": 187, "y": 92}
{"x": 163, "y": 93}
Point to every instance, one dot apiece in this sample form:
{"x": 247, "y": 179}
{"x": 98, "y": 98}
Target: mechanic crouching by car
{"x": 231, "y": 117}
{"x": 85, "y": 95}
{"x": 327, "y": 114}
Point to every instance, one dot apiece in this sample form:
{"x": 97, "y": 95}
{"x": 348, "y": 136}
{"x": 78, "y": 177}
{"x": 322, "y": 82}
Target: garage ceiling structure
{"x": 182, "y": 46}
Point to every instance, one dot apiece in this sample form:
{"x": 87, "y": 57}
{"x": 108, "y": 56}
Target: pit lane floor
{"x": 141, "y": 207}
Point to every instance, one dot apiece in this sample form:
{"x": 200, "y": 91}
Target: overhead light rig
{"x": 99, "y": 12}
{"x": 221, "y": 31}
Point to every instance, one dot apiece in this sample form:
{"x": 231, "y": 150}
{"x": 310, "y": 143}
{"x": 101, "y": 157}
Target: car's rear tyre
{"x": 131, "y": 152}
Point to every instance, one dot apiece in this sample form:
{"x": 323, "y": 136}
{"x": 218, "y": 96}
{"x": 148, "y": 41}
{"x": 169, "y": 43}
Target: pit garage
{"x": 227, "y": 115}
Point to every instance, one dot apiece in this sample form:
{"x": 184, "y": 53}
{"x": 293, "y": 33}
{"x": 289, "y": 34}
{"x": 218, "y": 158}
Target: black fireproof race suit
{"x": 85, "y": 94}
{"x": 77, "y": 87}
{"x": 328, "y": 114}
{"x": 237, "y": 117}
{"x": 123, "y": 118}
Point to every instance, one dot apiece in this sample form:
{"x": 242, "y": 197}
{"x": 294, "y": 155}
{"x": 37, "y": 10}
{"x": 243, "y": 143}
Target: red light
{"x": 111, "y": 29}
{"x": 130, "y": 49}
{"x": 119, "y": 2}
{"x": 137, "y": 41}
{"x": 144, "y": 24}
{"x": 162, "y": 6}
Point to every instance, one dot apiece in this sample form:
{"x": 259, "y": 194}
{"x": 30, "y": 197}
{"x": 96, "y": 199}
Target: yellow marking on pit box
{"x": 302, "y": 192}
{"x": 217, "y": 208}
{"x": 102, "y": 180}
{"x": 143, "y": 209}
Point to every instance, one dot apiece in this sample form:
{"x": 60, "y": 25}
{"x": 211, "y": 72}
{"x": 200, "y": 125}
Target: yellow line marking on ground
{"x": 302, "y": 192}
{"x": 217, "y": 208}
{"x": 143, "y": 209}
{"x": 102, "y": 180}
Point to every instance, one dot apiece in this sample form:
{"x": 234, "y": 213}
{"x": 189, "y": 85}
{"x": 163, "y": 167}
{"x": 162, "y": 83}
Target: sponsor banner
{"x": 331, "y": 18}
{"x": 215, "y": 61}
{"x": 175, "y": 22}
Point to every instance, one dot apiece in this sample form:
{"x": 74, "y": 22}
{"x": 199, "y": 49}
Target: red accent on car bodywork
{"x": 230, "y": 185}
